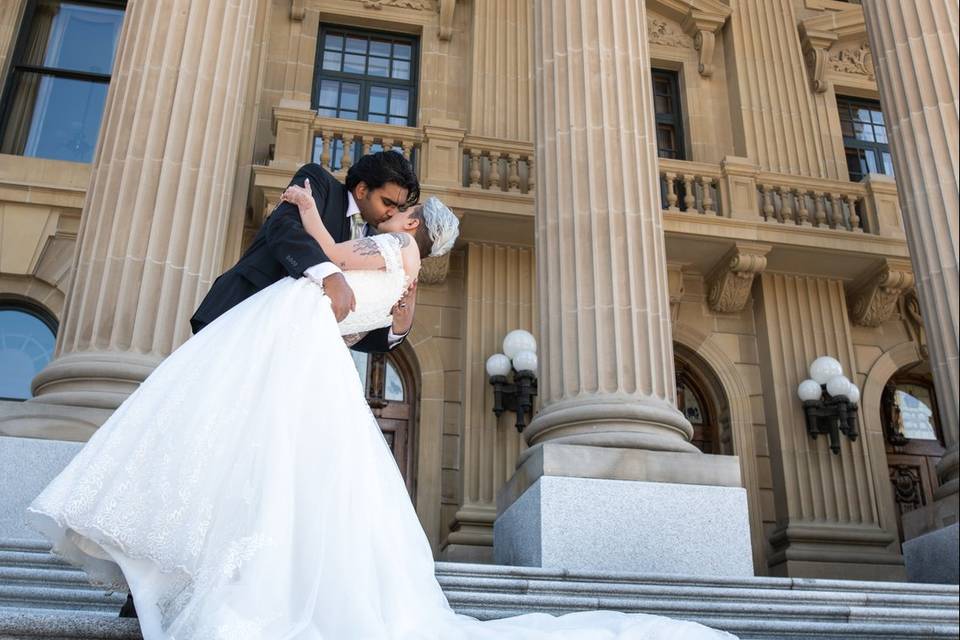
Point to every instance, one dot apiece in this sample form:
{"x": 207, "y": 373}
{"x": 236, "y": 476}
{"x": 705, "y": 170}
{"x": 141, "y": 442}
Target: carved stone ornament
{"x": 874, "y": 302}
{"x": 663, "y": 33}
{"x": 730, "y": 282}
{"x": 420, "y": 5}
{"x": 297, "y": 10}
{"x": 854, "y": 60}
{"x": 913, "y": 319}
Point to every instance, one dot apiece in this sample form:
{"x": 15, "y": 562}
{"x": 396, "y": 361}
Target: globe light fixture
{"x": 830, "y": 402}
{"x": 519, "y": 356}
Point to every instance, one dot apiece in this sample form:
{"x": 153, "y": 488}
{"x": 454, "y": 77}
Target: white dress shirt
{"x": 320, "y": 271}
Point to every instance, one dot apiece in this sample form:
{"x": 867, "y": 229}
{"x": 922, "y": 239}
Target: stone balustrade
{"x": 739, "y": 190}
{"x": 498, "y": 165}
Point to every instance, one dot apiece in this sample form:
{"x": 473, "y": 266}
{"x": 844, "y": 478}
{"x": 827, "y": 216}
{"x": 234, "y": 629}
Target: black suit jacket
{"x": 283, "y": 248}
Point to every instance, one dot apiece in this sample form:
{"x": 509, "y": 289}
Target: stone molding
{"x": 730, "y": 282}
{"x": 874, "y": 300}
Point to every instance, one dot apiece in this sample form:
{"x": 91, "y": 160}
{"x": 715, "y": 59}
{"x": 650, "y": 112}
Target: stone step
{"x": 43, "y": 575}
{"x": 34, "y": 596}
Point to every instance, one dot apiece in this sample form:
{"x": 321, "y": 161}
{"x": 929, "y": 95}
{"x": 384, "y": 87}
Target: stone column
{"x": 610, "y": 480}
{"x": 914, "y": 46}
{"x": 154, "y": 221}
{"x": 607, "y": 376}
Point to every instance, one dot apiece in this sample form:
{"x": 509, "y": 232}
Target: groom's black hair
{"x": 377, "y": 169}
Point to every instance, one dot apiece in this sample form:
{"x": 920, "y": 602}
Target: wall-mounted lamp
{"x": 830, "y": 401}
{"x": 519, "y": 356}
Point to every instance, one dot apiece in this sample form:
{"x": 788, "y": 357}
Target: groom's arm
{"x": 377, "y": 341}
{"x": 287, "y": 240}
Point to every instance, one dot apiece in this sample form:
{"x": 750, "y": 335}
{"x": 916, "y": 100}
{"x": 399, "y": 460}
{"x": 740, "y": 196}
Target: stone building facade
{"x": 698, "y": 285}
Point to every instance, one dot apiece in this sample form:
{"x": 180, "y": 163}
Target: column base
{"x": 27, "y": 465}
{"x": 934, "y": 557}
{"x": 95, "y": 379}
{"x": 596, "y": 508}
{"x": 840, "y": 551}
{"x": 33, "y": 419}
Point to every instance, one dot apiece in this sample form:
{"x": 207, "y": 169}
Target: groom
{"x": 378, "y": 186}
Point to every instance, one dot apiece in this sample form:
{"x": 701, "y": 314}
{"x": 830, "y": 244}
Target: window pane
{"x": 880, "y": 133}
{"x": 887, "y": 163}
{"x": 398, "y": 121}
{"x": 856, "y": 164}
{"x": 334, "y": 43}
{"x": 376, "y": 117}
{"x": 356, "y": 45}
{"x": 354, "y": 63}
{"x": 401, "y": 70}
{"x": 872, "y": 166}
{"x": 915, "y": 410}
{"x": 360, "y": 361}
{"x": 863, "y": 131}
{"x": 666, "y": 141}
{"x": 399, "y": 103}
{"x": 380, "y": 48}
{"x": 26, "y": 346}
{"x": 54, "y": 118}
{"x": 332, "y": 61}
{"x": 350, "y": 96}
{"x": 329, "y": 94}
{"x": 401, "y": 51}
{"x": 72, "y": 36}
{"x": 379, "y": 67}
{"x": 877, "y": 116}
{"x": 393, "y": 389}
{"x": 378, "y": 99}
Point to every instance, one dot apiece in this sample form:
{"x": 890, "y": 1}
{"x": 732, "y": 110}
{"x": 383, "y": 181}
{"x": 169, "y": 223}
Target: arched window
{"x": 701, "y": 398}
{"x": 388, "y": 384}
{"x": 27, "y": 337}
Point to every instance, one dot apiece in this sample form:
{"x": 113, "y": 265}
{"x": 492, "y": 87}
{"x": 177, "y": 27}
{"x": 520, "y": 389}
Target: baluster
{"x": 689, "y": 197}
{"x": 803, "y": 214}
{"x": 820, "y": 213}
{"x": 406, "y": 148}
{"x": 474, "y": 168}
{"x": 706, "y": 184}
{"x": 671, "y": 192}
{"x": 837, "y": 210}
{"x": 786, "y": 207}
{"x": 854, "y": 216}
{"x": 531, "y": 175}
{"x": 513, "y": 174}
{"x": 325, "y": 152}
{"x": 347, "y": 153}
{"x": 367, "y": 142}
{"x": 767, "y": 202}
{"x": 493, "y": 178}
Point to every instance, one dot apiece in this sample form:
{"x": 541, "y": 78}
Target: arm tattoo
{"x": 402, "y": 238}
{"x": 366, "y": 247}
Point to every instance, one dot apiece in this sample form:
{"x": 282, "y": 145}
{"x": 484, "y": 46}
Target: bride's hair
{"x": 421, "y": 234}
{"x": 438, "y": 228}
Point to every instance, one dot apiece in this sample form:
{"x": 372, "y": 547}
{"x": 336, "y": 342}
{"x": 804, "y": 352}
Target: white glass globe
{"x": 519, "y": 340}
{"x": 824, "y": 368}
{"x": 498, "y": 365}
{"x": 809, "y": 390}
{"x": 854, "y": 394}
{"x": 839, "y": 386}
{"x": 525, "y": 361}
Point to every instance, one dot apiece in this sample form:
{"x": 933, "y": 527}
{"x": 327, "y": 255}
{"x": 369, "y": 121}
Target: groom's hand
{"x": 341, "y": 295}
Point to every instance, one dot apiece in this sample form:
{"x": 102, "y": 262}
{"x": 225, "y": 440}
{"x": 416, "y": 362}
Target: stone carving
{"x": 912, "y": 317}
{"x": 731, "y": 280}
{"x": 297, "y": 10}
{"x": 854, "y": 60}
{"x": 704, "y": 42}
{"x": 420, "y": 5}
{"x": 663, "y": 33}
{"x": 816, "y": 61}
{"x": 907, "y": 487}
{"x": 874, "y": 302}
{"x": 434, "y": 270}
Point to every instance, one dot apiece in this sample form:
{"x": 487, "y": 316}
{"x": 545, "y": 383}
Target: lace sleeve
{"x": 389, "y": 247}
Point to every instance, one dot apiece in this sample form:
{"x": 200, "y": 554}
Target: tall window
{"x": 365, "y": 75}
{"x": 864, "y": 137}
{"x": 54, "y": 97}
{"x": 669, "y": 115}
{"x": 27, "y": 337}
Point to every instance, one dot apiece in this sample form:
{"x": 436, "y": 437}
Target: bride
{"x": 242, "y": 491}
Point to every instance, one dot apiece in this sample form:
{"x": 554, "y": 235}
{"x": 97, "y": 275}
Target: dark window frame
{"x": 848, "y": 105}
{"x": 673, "y": 118}
{"x": 366, "y": 80}
{"x": 17, "y": 66}
{"x": 32, "y": 308}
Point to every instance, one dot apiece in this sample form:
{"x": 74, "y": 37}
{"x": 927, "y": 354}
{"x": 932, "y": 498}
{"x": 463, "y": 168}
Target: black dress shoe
{"x": 128, "y": 610}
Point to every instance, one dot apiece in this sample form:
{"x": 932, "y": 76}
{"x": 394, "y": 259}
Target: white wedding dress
{"x": 245, "y": 491}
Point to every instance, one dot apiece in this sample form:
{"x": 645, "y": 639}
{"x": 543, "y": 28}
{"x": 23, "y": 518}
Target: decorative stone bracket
{"x": 729, "y": 284}
{"x": 675, "y": 287}
{"x": 874, "y": 299}
{"x": 817, "y": 35}
{"x": 699, "y": 19}
{"x": 298, "y": 11}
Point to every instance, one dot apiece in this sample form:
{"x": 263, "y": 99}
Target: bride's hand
{"x": 302, "y": 197}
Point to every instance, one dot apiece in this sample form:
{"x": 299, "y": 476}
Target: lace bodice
{"x": 376, "y": 291}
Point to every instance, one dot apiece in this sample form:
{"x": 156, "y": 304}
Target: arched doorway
{"x": 701, "y": 399}
{"x": 913, "y": 438}
{"x": 388, "y": 383}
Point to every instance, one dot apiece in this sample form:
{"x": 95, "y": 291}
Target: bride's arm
{"x": 361, "y": 254}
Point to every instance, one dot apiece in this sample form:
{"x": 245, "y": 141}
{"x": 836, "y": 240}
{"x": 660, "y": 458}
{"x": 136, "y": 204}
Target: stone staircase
{"x": 41, "y": 597}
